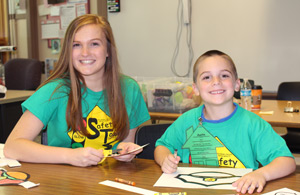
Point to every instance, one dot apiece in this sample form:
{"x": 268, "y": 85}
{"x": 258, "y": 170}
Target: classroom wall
{"x": 262, "y": 37}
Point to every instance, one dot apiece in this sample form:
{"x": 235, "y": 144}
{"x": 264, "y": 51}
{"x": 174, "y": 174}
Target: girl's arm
{"x": 279, "y": 167}
{"x": 131, "y": 135}
{"x": 20, "y": 146}
{"x": 127, "y": 145}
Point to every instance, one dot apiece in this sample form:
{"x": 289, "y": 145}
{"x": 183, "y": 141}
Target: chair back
{"x": 23, "y": 74}
{"x": 149, "y": 134}
{"x": 289, "y": 91}
{"x": 44, "y": 137}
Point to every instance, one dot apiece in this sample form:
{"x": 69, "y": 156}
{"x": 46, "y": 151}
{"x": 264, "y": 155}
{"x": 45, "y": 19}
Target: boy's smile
{"x": 217, "y": 92}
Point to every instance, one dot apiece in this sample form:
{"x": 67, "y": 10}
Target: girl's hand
{"x": 127, "y": 147}
{"x": 249, "y": 182}
{"x": 170, "y": 164}
{"x": 84, "y": 157}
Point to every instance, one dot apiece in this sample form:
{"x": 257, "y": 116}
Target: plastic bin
{"x": 173, "y": 95}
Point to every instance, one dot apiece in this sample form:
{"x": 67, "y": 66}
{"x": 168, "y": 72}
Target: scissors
{"x": 109, "y": 153}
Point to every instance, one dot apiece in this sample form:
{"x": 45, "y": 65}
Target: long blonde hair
{"x": 111, "y": 81}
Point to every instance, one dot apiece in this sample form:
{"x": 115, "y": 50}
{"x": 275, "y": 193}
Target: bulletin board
{"x": 56, "y": 16}
{"x": 59, "y": 14}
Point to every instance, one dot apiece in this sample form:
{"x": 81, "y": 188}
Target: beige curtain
{"x": 3, "y": 29}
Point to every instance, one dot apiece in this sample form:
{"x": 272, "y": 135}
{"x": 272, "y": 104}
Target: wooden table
{"x": 65, "y": 179}
{"x": 278, "y": 119}
{"x": 10, "y": 111}
{"x": 16, "y": 96}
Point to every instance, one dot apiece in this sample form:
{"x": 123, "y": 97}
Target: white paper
{"x": 127, "y": 187}
{"x": 50, "y": 29}
{"x": 12, "y": 163}
{"x": 80, "y": 9}
{"x": 194, "y": 177}
{"x": 5, "y": 161}
{"x": 2, "y": 163}
{"x": 54, "y": 10}
{"x": 9, "y": 162}
{"x": 1, "y": 150}
{"x": 131, "y": 151}
{"x": 138, "y": 148}
{"x": 67, "y": 14}
{"x": 43, "y": 10}
{"x": 28, "y": 184}
{"x": 266, "y": 112}
{"x": 283, "y": 191}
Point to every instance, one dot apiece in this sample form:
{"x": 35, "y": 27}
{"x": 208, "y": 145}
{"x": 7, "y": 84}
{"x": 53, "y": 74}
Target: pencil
{"x": 175, "y": 153}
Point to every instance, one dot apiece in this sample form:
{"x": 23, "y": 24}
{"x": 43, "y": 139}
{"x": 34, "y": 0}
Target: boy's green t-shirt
{"x": 241, "y": 141}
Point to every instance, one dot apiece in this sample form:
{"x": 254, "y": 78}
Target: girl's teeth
{"x": 86, "y": 61}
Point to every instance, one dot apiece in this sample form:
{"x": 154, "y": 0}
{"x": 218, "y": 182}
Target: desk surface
{"x": 280, "y": 118}
{"x": 277, "y": 119}
{"x": 15, "y": 96}
{"x": 65, "y": 179}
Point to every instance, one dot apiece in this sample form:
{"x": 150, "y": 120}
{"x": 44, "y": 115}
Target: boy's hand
{"x": 169, "y": 164}
{"x": 249, "y": 182}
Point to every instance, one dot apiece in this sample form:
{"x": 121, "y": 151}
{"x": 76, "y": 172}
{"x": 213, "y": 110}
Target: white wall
{"x": 262, "y": 37}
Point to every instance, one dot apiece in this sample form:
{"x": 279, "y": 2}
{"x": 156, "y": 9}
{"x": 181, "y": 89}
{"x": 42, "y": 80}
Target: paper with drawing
{"x": 195, "y": 177}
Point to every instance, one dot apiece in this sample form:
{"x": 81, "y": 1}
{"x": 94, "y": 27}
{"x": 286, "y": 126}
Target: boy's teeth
{"x": 217, "y": 92}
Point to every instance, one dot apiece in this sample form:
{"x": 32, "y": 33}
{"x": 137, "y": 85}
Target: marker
{"x": 175, "y": 153}
{"x": 125, "y": 181}
{"x": 171, "y": 193}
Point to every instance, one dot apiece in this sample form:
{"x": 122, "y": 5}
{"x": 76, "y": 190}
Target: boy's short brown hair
{"x": 211, "y": 53}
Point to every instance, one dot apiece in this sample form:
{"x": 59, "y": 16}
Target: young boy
{"x": 221, "y": 133}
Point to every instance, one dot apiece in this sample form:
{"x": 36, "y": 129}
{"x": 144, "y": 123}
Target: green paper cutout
{"x": 202, "y": 146}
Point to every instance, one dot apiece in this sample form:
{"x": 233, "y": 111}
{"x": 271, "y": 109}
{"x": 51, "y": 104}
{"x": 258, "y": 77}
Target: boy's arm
{"x": 278, "y": 168}
{"x": 166, "y": 159}
{"x": 160, "y": 153}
